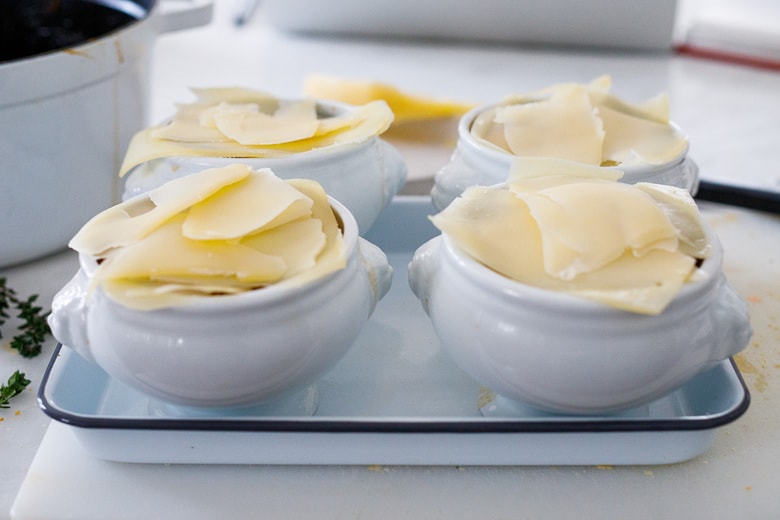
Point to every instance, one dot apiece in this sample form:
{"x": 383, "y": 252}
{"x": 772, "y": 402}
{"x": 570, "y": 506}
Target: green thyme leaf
{"x": 16, "y": 384}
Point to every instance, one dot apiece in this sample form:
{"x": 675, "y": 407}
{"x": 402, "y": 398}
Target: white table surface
{"x": 732, "y": 115}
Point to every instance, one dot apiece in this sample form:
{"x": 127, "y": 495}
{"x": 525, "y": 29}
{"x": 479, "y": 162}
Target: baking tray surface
{"x": 396, "y": 398}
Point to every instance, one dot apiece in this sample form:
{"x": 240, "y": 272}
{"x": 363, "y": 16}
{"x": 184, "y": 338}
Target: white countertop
{"x": 732, "y": 116}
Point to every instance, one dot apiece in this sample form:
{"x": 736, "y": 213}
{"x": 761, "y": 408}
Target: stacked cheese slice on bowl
{"x": 222, "y": 231}
{"x": 581, "y": 232}
{"x": 583, "y": 123}
{"x": 244, "y": 123}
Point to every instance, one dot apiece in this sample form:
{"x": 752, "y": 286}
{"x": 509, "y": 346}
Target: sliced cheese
{"x": 165, "y": 252}
{"x": 523, "y": 168}
{"x": 190, "y": 125}
{"x": 585, "y": 226}
{"x": 130, "y": 221}
{"x": 564, "y": 126}
{"x": 644, "y": 285}
{"x": 681, "y": 209}
{"x": 597, "y": 239}
{"x": 250, "y": 133}
{"x": 252, "y": 127}
{"x": 406, "y": 107}
{"x": 333, "y": 255}
{"x": 262, "y": 201}
{"x": 558, "y": 121}
{"x": 654, "y": 109}
{"x": 298, "y": 243}
{"x": 218, "y": 232}
{"x": 208, "y": 114}
{"x": 485, "y": 130}
{"x": 238, "y": 95}
{"x": 496, "y": 229}
{"x": 632, "y": 139}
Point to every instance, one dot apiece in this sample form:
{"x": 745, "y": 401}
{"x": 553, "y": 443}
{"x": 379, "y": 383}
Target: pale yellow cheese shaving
{"x": 261, "y": 202}
{"x": 554, "y": 122}
{"x": 406, "y": 107}
{"x": 298, "y": 243}
{"x": 333, "y": 256}
{"x": 617, "y": 244}
{"x": 523, "y": 169}
{"x": 252, "y": 127}
{"x": 587, "y": 225}
{"x": 564, "y": 126}
{"x": 212, "y": 237}
{"x": 240, "y": 123}
{"x": 135, "y": 218}
{"x": 630, "y": 139}
{"x": 166, "y": 252}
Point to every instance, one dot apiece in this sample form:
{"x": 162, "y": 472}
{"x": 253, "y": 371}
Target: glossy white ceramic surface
{"x": 473, "y": 163}
{"x": 227, "y": 351}
{"x": 363, "y": 176}
{"x": 565, "y": 354}
{"x": 67, "y": 117}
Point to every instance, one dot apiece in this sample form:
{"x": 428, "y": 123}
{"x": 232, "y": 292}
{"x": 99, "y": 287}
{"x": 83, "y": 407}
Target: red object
{"x": 729, "y": 57}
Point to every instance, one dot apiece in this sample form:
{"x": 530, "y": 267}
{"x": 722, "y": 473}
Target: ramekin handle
{"x": 731, "y": 317}
{"x": 423, "y": 269}
{"x": 394, "y": 168}
{"x": 378, "y": 268}
{"x": 68, "y": 318}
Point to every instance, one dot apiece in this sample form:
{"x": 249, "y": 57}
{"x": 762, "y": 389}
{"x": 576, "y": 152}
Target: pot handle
{"x": 177, "y": 15}
{"x": 378, "y": 268}
{"x": 423, "y": 269}
{"x": 68, "y": 318}
{"x": 394, "y": 168}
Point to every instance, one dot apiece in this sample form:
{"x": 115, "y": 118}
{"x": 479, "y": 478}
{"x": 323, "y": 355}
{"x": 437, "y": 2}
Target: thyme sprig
{"x": 28, "y": 342}
{"x": 16, "y": 384}
{"x": 34, "y": 327}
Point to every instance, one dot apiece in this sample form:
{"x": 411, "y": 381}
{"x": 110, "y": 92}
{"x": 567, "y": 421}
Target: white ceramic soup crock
{"x": 363, "y": 176}
{"x": 475, "y": 164}
{"x": 227, "y": 351}
{"x": 560, "y": 353}
{"x": 67, "y": 117}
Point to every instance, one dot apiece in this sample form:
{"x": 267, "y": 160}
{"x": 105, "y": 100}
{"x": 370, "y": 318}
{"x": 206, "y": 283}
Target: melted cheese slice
{"x": 235, "y": 123}
{"x": 559, "y": 121}
{"x": 405, "y": 107}
{"x": 135, "y": 218}
{"x": 617, "y": 244}
{"x": 201, "y": 236}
